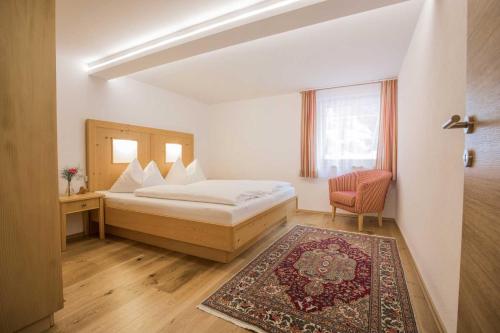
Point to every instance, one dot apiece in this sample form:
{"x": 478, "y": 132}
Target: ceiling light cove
{"x": 261, "y": 10}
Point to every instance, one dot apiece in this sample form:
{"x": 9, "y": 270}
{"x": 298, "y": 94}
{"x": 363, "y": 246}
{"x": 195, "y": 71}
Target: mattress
{"x": 228, "y": 192}
{"x": 198, "y": 211}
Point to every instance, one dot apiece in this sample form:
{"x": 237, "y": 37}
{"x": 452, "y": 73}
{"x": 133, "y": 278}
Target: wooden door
{"x": 479, "y": 300}
{"x": 30, "y": 268}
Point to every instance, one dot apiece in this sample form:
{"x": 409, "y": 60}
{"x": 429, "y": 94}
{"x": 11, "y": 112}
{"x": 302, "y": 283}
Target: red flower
{"x": 73, "y": 171}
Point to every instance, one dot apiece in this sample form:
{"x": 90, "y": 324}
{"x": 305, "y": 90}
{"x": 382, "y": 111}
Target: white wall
{"x": 80, "y": 96}
{"x": 430, "y": 172}
{"x": 260, "y": 139}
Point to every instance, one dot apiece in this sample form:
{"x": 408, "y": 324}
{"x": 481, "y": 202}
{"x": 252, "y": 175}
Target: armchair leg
{"x": 379, "y": 219}
{"x": 334, "y": 212}
{"x": 360, "y": 222}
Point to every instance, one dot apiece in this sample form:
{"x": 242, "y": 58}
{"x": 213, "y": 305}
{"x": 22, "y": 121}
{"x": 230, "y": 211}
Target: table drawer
{"x": 79, "y": 206}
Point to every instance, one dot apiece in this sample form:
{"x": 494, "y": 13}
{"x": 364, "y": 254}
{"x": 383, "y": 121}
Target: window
{"x": 124, "y": 151}
{"x": 347, "y": 128}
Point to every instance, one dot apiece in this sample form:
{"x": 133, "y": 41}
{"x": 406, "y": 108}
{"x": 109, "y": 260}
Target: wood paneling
{"x": 30, "y": 268}
{"x": 212, "y": 241}
{"x": 101, "y": 170}
{"x": 158, "y": 142}
{"x": 125, "y": 286}
{"x": 479, "y": 300}
{"x": 207, "y": 234}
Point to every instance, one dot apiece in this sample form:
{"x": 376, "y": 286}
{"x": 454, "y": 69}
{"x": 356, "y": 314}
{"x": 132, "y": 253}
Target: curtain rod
{"x": 355, "y": 84}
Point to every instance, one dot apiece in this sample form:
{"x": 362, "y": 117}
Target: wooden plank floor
{"x": 118, "y": 285}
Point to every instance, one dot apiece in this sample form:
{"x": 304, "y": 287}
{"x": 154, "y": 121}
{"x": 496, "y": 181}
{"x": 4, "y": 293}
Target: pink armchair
{"x": 360, "y": 192}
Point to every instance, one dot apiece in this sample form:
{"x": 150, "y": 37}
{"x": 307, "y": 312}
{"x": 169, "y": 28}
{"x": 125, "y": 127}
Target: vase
{"x": 68, "y": 190}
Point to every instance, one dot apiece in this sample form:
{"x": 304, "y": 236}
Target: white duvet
{"x": 227, "y": 192}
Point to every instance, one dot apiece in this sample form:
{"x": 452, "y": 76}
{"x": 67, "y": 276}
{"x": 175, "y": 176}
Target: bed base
{"x": 206, "y": 240}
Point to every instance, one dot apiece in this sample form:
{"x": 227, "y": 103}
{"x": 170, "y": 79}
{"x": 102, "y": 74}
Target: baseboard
{"x": 343, "y": 213}
{"x": 428, "y": 299}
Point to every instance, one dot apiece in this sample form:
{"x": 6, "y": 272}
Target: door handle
{"x": 454, "y": 122}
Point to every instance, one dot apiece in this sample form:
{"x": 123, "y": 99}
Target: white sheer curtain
{"x": 347, "y": 129}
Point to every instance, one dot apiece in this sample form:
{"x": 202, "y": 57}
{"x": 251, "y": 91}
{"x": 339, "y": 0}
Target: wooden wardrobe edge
{"x": 39, "y": 326}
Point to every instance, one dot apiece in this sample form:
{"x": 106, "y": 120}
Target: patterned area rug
{"x": 316, "y": 280}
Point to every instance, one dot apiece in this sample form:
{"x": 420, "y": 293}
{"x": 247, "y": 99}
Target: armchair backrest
{"x": 372, "y": 175}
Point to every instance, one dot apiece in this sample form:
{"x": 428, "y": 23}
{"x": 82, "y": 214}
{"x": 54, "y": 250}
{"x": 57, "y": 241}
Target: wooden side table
{"x": 81, "y": 203}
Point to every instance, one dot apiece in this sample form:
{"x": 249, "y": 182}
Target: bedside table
{"x": 81, "y": 203}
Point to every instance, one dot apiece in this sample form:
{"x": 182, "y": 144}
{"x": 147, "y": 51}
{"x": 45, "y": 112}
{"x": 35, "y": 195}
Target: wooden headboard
{"x": 101, "y": 170}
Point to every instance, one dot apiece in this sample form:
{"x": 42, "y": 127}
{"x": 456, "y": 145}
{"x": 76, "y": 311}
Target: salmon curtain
{"x": 387, "y": 141}
{"x": 308, "y": 135}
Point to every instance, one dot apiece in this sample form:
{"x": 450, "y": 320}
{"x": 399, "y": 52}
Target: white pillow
{"x": 152, "y": 175}
{"x": 130, "y": 179}
{"x": 195, "y": 173}
{"x": 177, "y": 174}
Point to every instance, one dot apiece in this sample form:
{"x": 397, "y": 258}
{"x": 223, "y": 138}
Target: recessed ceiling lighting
{"x": 188, "y": 32}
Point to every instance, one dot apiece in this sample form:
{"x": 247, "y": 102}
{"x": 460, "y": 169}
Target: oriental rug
{"x": 319, "y": 281}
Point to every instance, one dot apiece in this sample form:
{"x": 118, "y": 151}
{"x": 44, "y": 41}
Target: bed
{"x": 213, "y": 231}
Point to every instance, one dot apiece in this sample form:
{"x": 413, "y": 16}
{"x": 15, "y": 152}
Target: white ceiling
{"x": 93, "y": 29}
{"x": 361, "y": 47}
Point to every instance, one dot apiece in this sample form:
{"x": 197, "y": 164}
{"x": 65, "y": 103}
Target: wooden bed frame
{"x": 207, "y": 240}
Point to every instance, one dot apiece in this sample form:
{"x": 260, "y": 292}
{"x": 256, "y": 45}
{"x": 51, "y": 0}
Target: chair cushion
{"x": 346, "y": 198}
